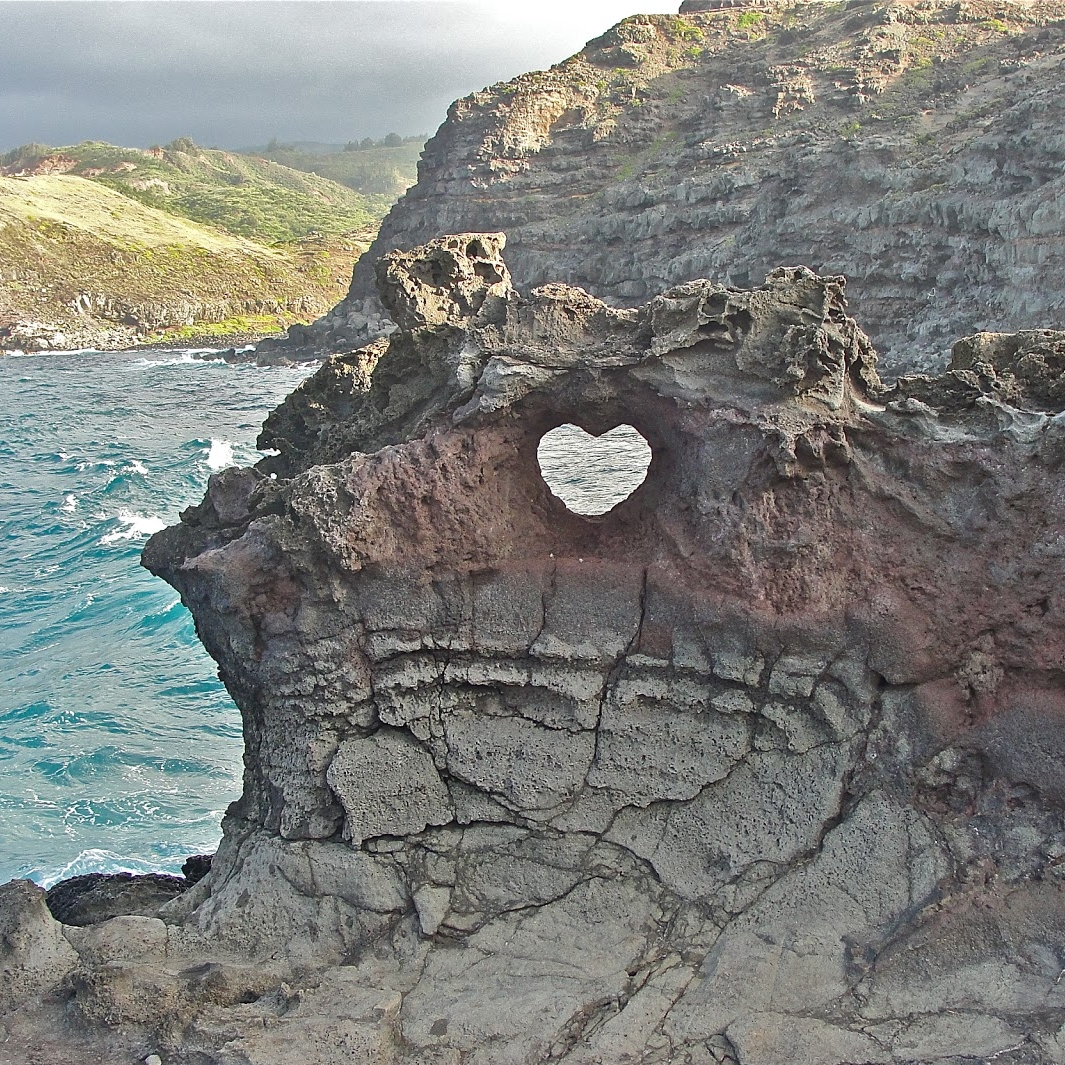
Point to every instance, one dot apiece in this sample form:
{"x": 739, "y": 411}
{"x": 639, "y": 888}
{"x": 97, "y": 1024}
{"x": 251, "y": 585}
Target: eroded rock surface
{"x": 95, "y": 897}
{"x": 765, "y": 765}
{"x": 914, "y": 145}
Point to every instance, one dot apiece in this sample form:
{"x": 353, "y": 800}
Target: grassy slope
{"x": 374, "y": 172}
{"x": 250, "y": 197}
{"x": 65, "y": 238}
{"x": 81, "y": 204}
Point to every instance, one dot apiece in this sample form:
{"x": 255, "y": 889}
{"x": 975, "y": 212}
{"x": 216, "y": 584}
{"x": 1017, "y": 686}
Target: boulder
{"x": 34, "y": 956}
{"x": 95, "y": 897}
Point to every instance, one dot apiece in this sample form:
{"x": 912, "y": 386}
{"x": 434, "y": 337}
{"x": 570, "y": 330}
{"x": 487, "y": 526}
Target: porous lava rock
{"x": 762, "y": 766}
{"x": 915, "y": 146}
{"x": 34, "y": 956}
{"x": 94, "y": 897}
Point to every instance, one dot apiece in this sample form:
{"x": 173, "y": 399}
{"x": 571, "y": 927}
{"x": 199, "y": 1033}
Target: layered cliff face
{"x": 914, "y": 146}
{"x": 762, "y": 766}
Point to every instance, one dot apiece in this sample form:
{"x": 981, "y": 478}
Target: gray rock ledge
{"x": 763, "y": 766}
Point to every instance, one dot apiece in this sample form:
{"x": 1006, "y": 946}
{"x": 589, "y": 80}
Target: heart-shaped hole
{"x": 593, "y": 474}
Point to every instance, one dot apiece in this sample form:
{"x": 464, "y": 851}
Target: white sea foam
{"x": 219, "y": 455}
{"x": 70, "y": 504}
{"x": 133, "y": 527}
{"x": 94, "y": 860}
{"x": 183, "y": 359}
{"x": 136, "y": 467}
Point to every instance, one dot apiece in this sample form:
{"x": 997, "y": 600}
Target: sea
{"x": 119, "y": 747}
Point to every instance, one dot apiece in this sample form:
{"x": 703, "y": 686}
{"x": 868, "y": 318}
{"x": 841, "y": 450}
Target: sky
{"x": 236, "y": 73}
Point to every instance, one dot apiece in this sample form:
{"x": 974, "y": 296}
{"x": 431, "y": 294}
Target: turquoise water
{"x": 119, "y": 748}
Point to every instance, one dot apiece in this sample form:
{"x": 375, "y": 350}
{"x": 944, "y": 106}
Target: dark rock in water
{"x": 240, "y": 356}
{"x": 196, "y": 867}
{"x": 94, "y": 897}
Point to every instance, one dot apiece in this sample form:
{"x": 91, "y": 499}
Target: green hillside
{"x": 382, "y": 171}
{"x": 250, "y": 197}
{"x": 85, "y": 265}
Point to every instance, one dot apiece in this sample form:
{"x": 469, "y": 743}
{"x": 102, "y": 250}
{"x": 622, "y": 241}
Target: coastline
{"x": 236, "y": 348}
{"x": 57, "y": 340}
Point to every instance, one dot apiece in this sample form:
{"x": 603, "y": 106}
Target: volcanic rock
{"x": 34, "y": 956}
{"x": 913, "y": 145}
{"x": 763, "y": 765}
{"x": 95, "y": 897}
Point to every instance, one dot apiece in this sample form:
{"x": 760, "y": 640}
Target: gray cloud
{"x": 238, "y": 72}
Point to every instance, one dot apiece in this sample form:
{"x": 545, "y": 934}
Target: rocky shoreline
{"x": 763, "y": 766}
{"x": 234, "y": 348}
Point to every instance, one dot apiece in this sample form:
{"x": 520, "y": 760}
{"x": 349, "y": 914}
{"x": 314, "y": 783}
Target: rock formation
{"x": 763, "y": 766}
{"x": 913, "y": 145}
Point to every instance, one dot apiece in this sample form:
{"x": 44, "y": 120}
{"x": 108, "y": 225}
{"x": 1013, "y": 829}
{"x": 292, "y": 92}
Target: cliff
{"x": 913, "y": 146}
{"x": 764, "y": 765}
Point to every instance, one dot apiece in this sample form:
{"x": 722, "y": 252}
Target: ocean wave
{"x": 70, "y": 503}
{"x": 90, "y": 464}
{"x": 219, "y": 455}
{"x": 133, "y": 527}
{"x": 183, "y": 357}
{"x": 97, "y": 860}
{"x": 15, "y": 353}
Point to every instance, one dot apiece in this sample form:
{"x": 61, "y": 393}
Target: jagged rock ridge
{"x": 762, "y": 766}
{"x": 915, "y": 147}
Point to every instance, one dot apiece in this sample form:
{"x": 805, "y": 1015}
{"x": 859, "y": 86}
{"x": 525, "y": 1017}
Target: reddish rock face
{"x": 742, "y": 757}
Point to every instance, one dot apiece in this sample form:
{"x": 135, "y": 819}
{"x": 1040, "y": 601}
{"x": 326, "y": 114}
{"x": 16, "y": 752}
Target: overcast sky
{"x": 236, "y": 73}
